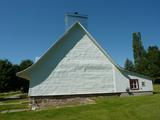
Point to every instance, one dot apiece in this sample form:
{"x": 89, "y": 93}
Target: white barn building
{"x": 76, "y": 65}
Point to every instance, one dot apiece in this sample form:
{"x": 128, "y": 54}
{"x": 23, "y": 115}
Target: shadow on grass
{"x": 156, "y": 92}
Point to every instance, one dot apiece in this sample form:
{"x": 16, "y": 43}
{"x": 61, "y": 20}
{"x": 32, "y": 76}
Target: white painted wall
{"x": 122, "y": 81}
{"x": 74, "y": 66}
{"x": 148, "y": 83}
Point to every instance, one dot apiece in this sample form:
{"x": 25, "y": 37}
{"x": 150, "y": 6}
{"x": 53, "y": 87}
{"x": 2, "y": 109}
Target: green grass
{"x": 157, "y": 88}
{"x": 7, "y": 94}
{"x": 106, "y": 108}
{"x": 19, "y": 101}
{"x": 13, "y": 106}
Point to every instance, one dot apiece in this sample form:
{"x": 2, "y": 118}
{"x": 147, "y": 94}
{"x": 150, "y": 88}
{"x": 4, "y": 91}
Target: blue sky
{"x": 29, "y": 27}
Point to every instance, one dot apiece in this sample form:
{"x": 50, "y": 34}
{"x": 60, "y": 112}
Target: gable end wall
{"x": 84, "y": 69}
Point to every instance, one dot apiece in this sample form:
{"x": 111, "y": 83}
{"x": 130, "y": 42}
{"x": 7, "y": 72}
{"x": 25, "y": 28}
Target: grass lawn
{"x": 7, "y": 94}
{"x": 13, "y": 106}
{"x": 106, "y": 108}
{"x": 157, "y": 88}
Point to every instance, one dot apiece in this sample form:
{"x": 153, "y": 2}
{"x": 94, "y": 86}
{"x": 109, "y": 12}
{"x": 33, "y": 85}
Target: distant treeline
{"x": 146, "y": 61}
{"x": 8, "y": 79}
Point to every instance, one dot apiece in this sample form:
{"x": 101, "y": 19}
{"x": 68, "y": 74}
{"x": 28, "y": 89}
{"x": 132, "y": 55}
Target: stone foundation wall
{"x": 41, "y": 102}
{"x": 137, "y": 93}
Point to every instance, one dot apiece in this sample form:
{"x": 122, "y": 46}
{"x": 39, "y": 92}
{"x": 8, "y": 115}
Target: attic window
{"x": 134, "y": 85}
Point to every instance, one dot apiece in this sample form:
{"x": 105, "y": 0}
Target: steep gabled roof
{"x": 26, "y": 73}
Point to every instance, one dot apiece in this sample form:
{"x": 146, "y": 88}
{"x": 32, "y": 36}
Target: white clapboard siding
{"x": 84, "y": 69}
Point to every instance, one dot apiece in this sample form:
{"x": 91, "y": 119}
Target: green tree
{"x": 16, "y": 81}
{"x": 142, "y": 66}
{"x": 8, "y": 79}
{"x": 6, "y": 75}
{"x": 153, "y": 56}
{"x": 129, "y": 65}
{"x": 138, "y": 49}
{"x": 24, "y": 83}
{"x": 25, "y": 64}
{"x": 146, "y": 62}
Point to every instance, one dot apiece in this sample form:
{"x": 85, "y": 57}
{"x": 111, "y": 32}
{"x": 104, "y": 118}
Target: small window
{"x": 134, "y": 85}
{"x": 143, "y": 84}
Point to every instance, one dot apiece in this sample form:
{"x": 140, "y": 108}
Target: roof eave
{"x": 23, "y": 74}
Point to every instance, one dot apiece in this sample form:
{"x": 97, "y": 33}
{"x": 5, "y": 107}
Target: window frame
{"x": 131, "y": 81}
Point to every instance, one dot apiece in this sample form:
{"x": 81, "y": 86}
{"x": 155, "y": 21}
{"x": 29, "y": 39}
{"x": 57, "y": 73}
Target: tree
{"x": 16, "y": 81}
{"x": 129, "y": 65}
{"x": 138, "y": 49}
{"x": 8, "y": 79}
{"x": 142, "y": 66}
{"x": 146, "y": 62}
{"x": 23, "y": 82}
{"x": 153, "y": 56}
{"x": 25, "y": 64}
{"x": 6, "y": 75}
